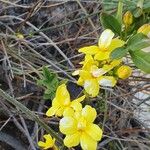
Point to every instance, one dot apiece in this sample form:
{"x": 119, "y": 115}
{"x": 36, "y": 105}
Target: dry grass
{"x": 53, "y": 31}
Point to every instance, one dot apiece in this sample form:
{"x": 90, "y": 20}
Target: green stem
{"x": 119, "y": 12}
{"x": 31, "y": 115}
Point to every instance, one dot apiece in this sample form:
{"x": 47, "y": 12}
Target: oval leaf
{"x": 138, "y": 41}
{"x": 141, "y": 60}
{"x": 118, "y": 53}
{"x": 110, "y": 22}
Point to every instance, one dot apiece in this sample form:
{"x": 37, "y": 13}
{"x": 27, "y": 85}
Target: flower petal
{"x": 87, "y": 58}
{"x": 107, "y": 81}
{"x": 60, "y": 111}
{"x": 115, "y": 43}
{"x": 85, "y": 74}
{"x": 72, "y": 140}
{"x": 49, "y": 141}
{"x": 62, "y": 95}
{"x": 95, "y": 132}
{"x": 80, "y": 81}
{"x": 102, "y": 55}
{"x": 76, "y": 105}
{"x": 51, "y": 111}
{"x": 48, "y": 137}
{"x": 68, "y": 125}
{"x": 87, "y": 143}
{"x": 68, "y": 112}
{"x": 91, "y": 50}
{"x": 89, "y": 113}
{"x": 80, "y": 99}
{"x": 91, "y": 86}
{"x": 41, "y": 144}
{"x": 105, "y": 39}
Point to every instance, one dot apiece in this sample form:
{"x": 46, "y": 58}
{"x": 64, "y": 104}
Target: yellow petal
{"x": 115, "y": 43}
{"x": 68, "y": 125}
{"x": 88, "y": 65}
{"x": 80, "y": 99}
{"x": 72, "y": 140}
{"x": 89, "y": 113}
{"x": 68, "y": 112}
{"x": 91, "y": 86}
{"x": 51, "y": 111}
{"x": 60, "y": 111}
{"x": 95, "y": 132}
{"x": 91, "y": 50}
{"x": 87, "y": 143}
{"x": 49, "y": 141}
{"x": 41, "y": 144}
{"x": 98, "y": 72}
{"x": 85, "y": 74}
{"x": 93, "y": 68}
{"x": 62, "y": 95}
{"x": 76, "y": 105}
{"x": 48, "y": 137}
{"x": 105, "y": 39}
{"x": 87, "y": 58}
{"x": 107, "y": 81}
{"x": 80, "y": 81}
{"x": 102, "y": 55}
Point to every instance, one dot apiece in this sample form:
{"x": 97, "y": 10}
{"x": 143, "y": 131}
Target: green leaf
{"x": 141, "y": 60}
{"x": 118, "y": 53}
{"x": 138, "y": 41}
{"x": 50, "y": 81}
{"x": 110, "y": 22}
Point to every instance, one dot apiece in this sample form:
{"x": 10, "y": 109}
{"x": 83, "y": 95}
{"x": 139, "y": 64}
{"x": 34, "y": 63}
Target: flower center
{"x": 81, "y": 124}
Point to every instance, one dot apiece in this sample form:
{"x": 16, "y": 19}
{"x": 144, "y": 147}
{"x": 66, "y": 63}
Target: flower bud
{"x": 145, "y": 29}
{"x": 20, "y": 36}
{"x": 127, "y": 19}
{"x": 124, "y": 72}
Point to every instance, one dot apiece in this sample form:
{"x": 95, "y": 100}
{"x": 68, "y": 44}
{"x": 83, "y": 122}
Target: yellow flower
{"x": 128, "y": 19}
{"x": 145, "y": 29}
{"x": 124, "y": 72}
{"x": 62, "y": 102}
{"x": 20, "y": 36}
{"x": 80, "y": 129}
{"x": 91, "y": 77}
{"x": 106, "y": 44}
{"x": 48, "y": 144}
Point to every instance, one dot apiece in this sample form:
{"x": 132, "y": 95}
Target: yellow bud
{"x": 128, "y": 19}
{"x": 124, "y": 72}
{"x": 145, "y": 29}
{"x": 20, "y": 36}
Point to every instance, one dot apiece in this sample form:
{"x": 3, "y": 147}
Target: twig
{"x": 31, "y": 115}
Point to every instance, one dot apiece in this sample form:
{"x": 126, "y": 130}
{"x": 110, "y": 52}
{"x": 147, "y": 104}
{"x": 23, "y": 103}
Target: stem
{"x": 31, "y": 115}
{"x": 119, "y": 12}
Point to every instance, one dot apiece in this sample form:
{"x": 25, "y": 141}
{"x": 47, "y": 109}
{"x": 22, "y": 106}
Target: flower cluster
{"x": 76, "y": 123}
{"x": 97, "y": 68}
